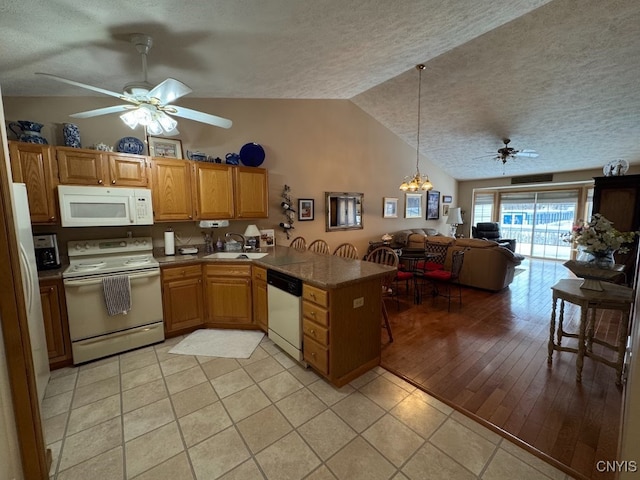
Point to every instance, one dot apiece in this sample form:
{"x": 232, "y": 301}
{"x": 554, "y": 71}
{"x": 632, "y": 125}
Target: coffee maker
{"x": 46, "y": 249}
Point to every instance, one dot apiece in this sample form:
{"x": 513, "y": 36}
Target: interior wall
{"x": 466, "y": 188}
{"x": 313, "y": 146}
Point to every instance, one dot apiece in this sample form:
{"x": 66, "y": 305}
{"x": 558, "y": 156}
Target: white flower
{"x": 598, "y": 237}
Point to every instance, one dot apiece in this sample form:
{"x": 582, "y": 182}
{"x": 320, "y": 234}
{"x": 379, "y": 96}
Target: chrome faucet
{"x": 243, "y": 240}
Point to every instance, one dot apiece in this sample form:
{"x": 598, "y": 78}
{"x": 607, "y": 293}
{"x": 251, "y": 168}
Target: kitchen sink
{"x": 237, "y": 255}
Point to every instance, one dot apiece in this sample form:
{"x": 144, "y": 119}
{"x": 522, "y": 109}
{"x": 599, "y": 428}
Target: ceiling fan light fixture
{"x": 417, "y": 181}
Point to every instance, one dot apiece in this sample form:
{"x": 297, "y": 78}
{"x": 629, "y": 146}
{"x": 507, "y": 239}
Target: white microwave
{"x": 104, "y": 206}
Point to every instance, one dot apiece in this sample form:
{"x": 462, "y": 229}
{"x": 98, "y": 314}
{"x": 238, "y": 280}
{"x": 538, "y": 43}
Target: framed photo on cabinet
{"x": 267, "y": 238}
{"x": 389, "y": 207}
{"x": 433, "y": 205}
{"x": 413, "y": 205}
{"x": 164, "y": 147}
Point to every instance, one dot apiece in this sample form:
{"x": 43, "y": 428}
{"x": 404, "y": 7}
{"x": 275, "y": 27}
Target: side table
{"x": 613, "y": 297}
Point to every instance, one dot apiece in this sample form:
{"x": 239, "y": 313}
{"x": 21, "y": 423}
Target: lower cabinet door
{"x": 183, "y": 304}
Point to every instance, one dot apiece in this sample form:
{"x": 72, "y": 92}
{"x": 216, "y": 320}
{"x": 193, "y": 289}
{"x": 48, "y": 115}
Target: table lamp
{"x": 454, "y": 219}
{"x": 252, "y": 234}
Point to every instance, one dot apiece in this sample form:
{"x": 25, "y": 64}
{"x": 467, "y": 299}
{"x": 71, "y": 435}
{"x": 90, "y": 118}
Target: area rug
{"x": 219, "y": 343}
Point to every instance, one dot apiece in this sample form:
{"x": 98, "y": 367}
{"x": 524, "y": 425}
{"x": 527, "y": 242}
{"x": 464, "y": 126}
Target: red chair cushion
{"x": 404, "y": 275}
{"x": 438, "y": 275}
{"x": 430, "y": 266}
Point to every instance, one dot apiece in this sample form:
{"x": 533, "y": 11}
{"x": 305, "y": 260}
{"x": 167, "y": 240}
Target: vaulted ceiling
{"x": 557, "y": 76}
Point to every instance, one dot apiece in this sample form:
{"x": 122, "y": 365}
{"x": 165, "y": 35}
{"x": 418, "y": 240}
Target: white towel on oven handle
{"x": 117, "y": 294}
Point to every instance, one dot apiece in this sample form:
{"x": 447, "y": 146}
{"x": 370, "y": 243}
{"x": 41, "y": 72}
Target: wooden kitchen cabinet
{"x": 33, "y": 165}
{"x": 93, "y": 167}
{"x": 341, "y": 329}
{"x": 251, "y": 192}
{"x": 182, "y": 299}
{"x": 213, "y": 192}
{"x": 228, "y": 295}
{"x": 56, "y": 325}
{"x": 171, "y": 189}
{"x": 260, "y": 298}
{"x": 315, "y": 327}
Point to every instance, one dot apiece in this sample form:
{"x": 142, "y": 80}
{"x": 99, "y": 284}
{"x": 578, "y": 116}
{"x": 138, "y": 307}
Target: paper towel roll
{"x": 169, "y": 243}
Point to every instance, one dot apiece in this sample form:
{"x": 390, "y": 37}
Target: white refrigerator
{"x": 31, "y": 288}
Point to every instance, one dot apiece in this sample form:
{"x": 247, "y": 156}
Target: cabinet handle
{"x": 52, "y": 219}
{"x": 113, "y": 182}
{"x": 190, "y": 217}
{"x": 51, "y": 289}
{"x": 313, "y": 332}
{"x": 313, "y": 354}
{"x": 100, "y": 182}
{"x": 312, "y": 295}
{"x": 313, "y": 314}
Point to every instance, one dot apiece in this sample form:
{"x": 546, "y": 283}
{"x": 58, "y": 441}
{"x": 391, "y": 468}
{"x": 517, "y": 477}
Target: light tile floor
{"x": 152, "y": 415}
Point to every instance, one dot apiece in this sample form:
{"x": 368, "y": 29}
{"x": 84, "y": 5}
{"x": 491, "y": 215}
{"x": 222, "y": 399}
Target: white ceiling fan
{"x": 147, "y": 105}
{"x": 507, "y": 152}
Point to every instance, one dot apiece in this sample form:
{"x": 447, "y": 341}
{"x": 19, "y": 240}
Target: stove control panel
{"x": 109, "y": 245}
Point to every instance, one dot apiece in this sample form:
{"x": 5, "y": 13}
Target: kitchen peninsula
{"x": 341, "y": 302}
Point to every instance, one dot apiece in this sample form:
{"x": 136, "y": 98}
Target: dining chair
{"x": 346, "y": 250}
{"x": 385, "y": 256}
{"x": 299, "y": 243}
{"x": 447, "y": 278}
{"x": 319, "y": 246}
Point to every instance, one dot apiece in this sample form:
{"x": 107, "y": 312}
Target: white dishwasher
{"x": 284, "y": 294}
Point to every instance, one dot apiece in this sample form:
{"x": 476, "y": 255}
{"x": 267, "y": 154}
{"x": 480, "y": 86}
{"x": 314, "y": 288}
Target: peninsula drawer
{"x": 172, "y": 273}
{"x": 315, "y": 313}
{"x": 316, "y": 355}
{"x": 315, "y": 331}
{"x": 315, "y": 295}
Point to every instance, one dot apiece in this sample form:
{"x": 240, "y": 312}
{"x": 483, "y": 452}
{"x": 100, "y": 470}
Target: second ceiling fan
{"x": 147, "y": 105}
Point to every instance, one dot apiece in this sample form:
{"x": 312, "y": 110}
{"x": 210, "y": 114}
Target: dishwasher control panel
{"x": 285, "y": 282}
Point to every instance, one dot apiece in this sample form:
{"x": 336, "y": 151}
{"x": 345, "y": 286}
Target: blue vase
{"x": 27, "y": 131}
{"x": 71, "y": 134}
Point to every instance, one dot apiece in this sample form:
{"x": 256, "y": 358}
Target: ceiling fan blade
{"x": 197, "y": 116}
{"x": 527, "y": 154}
{"x": 102, "y": 111}
{"x": 84, "y": 85}
{"x": 169, "y": 90}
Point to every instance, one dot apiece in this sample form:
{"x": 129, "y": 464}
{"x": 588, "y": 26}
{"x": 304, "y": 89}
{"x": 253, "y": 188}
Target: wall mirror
{"x": 343, "y": 210}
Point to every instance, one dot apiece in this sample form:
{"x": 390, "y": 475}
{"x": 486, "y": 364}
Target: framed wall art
{"x": 389, "y": 207}
{"x": 447, "y": 198}
{"x": 445, "y": 210}
{"x": 164, "y": 147}
{"x": 413, "y": 205}
{"x": 433, "y": 205}
{"x": 305, "y": 209}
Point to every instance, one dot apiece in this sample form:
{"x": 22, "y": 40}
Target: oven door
{"x": 87, "y": 311}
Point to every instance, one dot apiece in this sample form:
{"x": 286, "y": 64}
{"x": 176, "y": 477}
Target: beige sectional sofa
{"x": 486, "y": 264}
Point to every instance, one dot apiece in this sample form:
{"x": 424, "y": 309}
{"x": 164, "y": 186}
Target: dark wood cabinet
{"x": 618, "y": 199}
{"x": 56, "y": 327}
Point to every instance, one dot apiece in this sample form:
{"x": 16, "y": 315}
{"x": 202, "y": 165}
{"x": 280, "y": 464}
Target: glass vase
{"x": 602, "y": 260}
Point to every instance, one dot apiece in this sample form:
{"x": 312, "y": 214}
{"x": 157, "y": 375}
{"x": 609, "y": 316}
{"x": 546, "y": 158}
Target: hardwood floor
{"x": 488, "y": 358}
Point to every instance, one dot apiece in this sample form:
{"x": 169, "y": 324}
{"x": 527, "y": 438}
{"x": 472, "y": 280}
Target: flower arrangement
{"x": 599, "y": 238}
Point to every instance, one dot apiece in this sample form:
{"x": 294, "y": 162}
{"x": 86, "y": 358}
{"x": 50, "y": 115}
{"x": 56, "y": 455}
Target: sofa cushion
{"x": 475, "y": 243}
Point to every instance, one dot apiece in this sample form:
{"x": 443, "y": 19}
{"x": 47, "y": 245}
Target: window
{"x": 483, "y": 207}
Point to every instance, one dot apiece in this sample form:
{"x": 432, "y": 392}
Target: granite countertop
{"x": 323, "y": 271}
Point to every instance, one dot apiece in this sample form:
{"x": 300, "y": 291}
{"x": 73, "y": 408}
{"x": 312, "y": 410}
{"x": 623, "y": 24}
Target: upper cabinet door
{"x": 32, "y": 165}
{"x": 81, "y": 167}
{"x": 252, "y": 192}
{"x": 171, "y": 190}
{"x": 127, "y": 170}
{"x": 214, "y": 191}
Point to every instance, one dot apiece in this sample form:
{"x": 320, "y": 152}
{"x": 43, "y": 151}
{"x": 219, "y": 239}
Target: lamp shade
{"x": 252, "y": 231}
{"x": 455, "y": 216}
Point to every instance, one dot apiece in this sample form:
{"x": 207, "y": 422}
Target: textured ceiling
{"x": 559, "y": 76}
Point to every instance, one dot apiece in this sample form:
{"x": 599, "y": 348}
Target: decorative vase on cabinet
{"x": 28, "y": 131}
{"x": 71, "y": 134}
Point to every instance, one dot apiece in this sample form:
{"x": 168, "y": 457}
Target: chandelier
{"x": 417, "y": 181}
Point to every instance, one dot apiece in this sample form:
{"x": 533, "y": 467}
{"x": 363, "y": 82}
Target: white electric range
{"x": 94, "y": 333}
